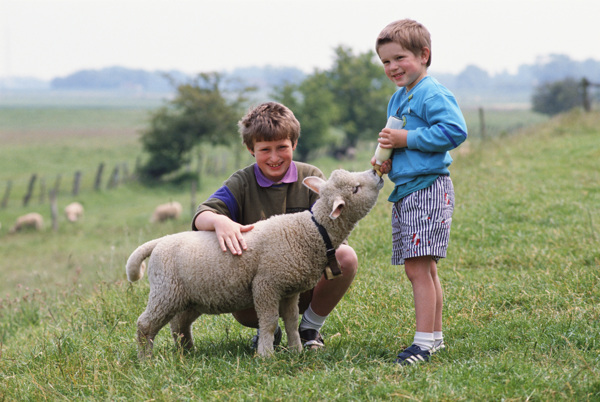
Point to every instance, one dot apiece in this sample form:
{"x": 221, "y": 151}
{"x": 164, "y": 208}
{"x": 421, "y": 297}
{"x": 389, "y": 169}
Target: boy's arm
{"x": 229, "y": 233}
{"x": 447, "y": 128}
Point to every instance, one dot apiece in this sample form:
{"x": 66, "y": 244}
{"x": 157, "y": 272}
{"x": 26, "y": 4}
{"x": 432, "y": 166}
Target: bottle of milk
{"x": 383, "y": 154}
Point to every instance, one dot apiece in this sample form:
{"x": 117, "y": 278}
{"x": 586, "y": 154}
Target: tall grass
{"x": 521, "y": 282}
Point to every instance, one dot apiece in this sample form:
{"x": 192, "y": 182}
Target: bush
{"x": 557, "y": 97}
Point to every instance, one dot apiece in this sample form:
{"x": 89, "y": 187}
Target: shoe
{"x": 311, "y": 339}
{"x": 438, "y": 348}
{"x": 276, "y": 338}
{"x": 411, "y": 355}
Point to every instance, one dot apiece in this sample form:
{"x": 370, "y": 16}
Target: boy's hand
{"x": 390, "y": 138}
{"x": 386, "y": 166}
{"x": 229, "y": 234}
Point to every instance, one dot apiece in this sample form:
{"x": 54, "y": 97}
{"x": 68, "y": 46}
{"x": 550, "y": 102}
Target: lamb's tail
{"x": 135, "y": 266}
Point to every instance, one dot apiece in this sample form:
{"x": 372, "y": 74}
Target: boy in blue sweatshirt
{"x": 423, "y": 196}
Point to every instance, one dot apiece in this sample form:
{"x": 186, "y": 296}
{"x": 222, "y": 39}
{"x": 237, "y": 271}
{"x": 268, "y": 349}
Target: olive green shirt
{"x": 244, "y": 200}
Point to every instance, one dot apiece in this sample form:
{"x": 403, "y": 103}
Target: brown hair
{"x": 409, "y": 34}
{"x": 270, "y": 121}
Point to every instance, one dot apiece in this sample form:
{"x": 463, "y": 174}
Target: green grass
{"x": 522, "y": 306}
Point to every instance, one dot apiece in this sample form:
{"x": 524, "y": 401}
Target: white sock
{"x": 424, "y": 340}
{"x": 311, "y": 320}
{"x": 438, "y": 338}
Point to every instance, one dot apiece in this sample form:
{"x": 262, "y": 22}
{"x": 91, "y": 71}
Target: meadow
{"x": 522, "y": 305}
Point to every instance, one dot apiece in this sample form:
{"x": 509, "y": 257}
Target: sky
{"x": 54, "y": 38}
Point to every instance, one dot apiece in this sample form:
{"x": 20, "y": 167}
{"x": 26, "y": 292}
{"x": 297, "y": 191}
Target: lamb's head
{"x": 347, "y": 194}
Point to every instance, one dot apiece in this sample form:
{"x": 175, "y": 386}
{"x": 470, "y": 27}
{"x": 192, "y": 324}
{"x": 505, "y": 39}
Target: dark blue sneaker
{"x": 276, "y": 338}
{"x": 311, "y": 339}
{"x": 411, "y": 355}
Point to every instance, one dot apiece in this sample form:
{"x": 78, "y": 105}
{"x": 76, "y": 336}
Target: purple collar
{"x": 291, "y": 176}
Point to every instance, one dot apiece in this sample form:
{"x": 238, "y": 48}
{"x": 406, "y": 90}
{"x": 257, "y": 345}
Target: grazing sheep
{"x": 32, "y": 220}
{"x": 171, "y": 210}
{"x": 74, "y": 211}
{"x": 287, "y": 254}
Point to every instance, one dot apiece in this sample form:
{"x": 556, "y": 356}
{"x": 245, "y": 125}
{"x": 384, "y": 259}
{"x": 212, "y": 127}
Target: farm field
{"x": 521, "y": 282}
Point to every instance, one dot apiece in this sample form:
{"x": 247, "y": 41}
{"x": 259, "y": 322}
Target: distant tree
{"x": 200, "y": 112}
{"x": 556, "y": 97}
{"x": 361, "y": 92}
{"x": 314, "y": 107}
{"x": 473, "y": 77}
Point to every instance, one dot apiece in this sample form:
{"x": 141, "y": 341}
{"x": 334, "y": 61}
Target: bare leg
{"x": 439, "y": 297}
{"x": 328, "y": 293}
{"x": 419, "y": 272}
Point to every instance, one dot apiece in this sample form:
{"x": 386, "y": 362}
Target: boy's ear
{"x": 294, "y": 145}
{"x": 250, "y": 150}
{"x": 425, "y": 53}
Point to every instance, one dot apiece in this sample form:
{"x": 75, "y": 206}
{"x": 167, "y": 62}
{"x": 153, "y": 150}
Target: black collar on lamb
{"x": 332, "y": 270}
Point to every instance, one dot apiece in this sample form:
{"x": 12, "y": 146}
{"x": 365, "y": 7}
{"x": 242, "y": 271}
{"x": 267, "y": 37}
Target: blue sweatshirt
{"x": 435, "y": 125}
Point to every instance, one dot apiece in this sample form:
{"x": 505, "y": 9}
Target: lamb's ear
{"x": 314, "y": 183}
{"x": 338, "y": 205}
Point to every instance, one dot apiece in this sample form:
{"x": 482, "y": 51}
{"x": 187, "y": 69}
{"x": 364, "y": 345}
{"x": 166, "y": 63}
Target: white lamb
{"x": 287, "y": 254}
{"x": 32, "y": 220}
{"x": 171, "y": 210}
{"x": 74, "y": 211}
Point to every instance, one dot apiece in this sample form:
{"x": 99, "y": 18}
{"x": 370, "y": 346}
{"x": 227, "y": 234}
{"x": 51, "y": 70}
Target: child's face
{"x": 403, "y": 67}
{"x": 273, "y": 157}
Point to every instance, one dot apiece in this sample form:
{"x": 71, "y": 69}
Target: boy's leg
{"x": 326, "y": 295}
{"x": 439, "y": 298}
{"x": 419, "y": 272}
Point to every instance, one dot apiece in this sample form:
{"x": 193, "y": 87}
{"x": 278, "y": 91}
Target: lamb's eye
{"x": 355, "y": 189}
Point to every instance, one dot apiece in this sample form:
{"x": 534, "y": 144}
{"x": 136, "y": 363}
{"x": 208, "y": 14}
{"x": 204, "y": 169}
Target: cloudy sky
{"x": 52, "y": 38}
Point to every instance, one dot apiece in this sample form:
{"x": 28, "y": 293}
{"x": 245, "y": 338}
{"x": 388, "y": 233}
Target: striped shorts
{"x": 421, "y": 222}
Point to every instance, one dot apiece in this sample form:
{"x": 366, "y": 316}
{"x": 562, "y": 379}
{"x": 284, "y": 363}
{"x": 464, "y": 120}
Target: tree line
{"x": 337, "y": 108}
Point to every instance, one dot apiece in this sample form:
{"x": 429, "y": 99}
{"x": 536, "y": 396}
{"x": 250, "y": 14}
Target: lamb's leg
{"x": 181, "y": 328}
{"x": 288, "y": 309}
{"x": 265, "y": 304}
{"x": 157, "y": 314}
{"x": 149, "y": 323}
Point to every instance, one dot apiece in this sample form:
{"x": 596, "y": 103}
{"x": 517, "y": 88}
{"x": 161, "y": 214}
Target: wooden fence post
{"x": 29, "y": 190}
{"x": 586, "y": 99}
{"x": 76, "y": 182}
{"x": 57, "y": 185}
{"x": 481, "y": 123}
{"x": 114, "y": 178}
{"x": 98, "y": 176}
{"x": 53, "y": 209}
{"x": 6, "y": 194}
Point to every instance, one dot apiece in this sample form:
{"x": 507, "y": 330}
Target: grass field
{"x": 521, "y": 281}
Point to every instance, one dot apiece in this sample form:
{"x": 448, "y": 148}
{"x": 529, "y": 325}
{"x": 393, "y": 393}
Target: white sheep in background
{"x": 74, "y": 211}
{"x": 189, "y": 274}
{"x": 32, "y": 220}
{"x": 171, "y": 210}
